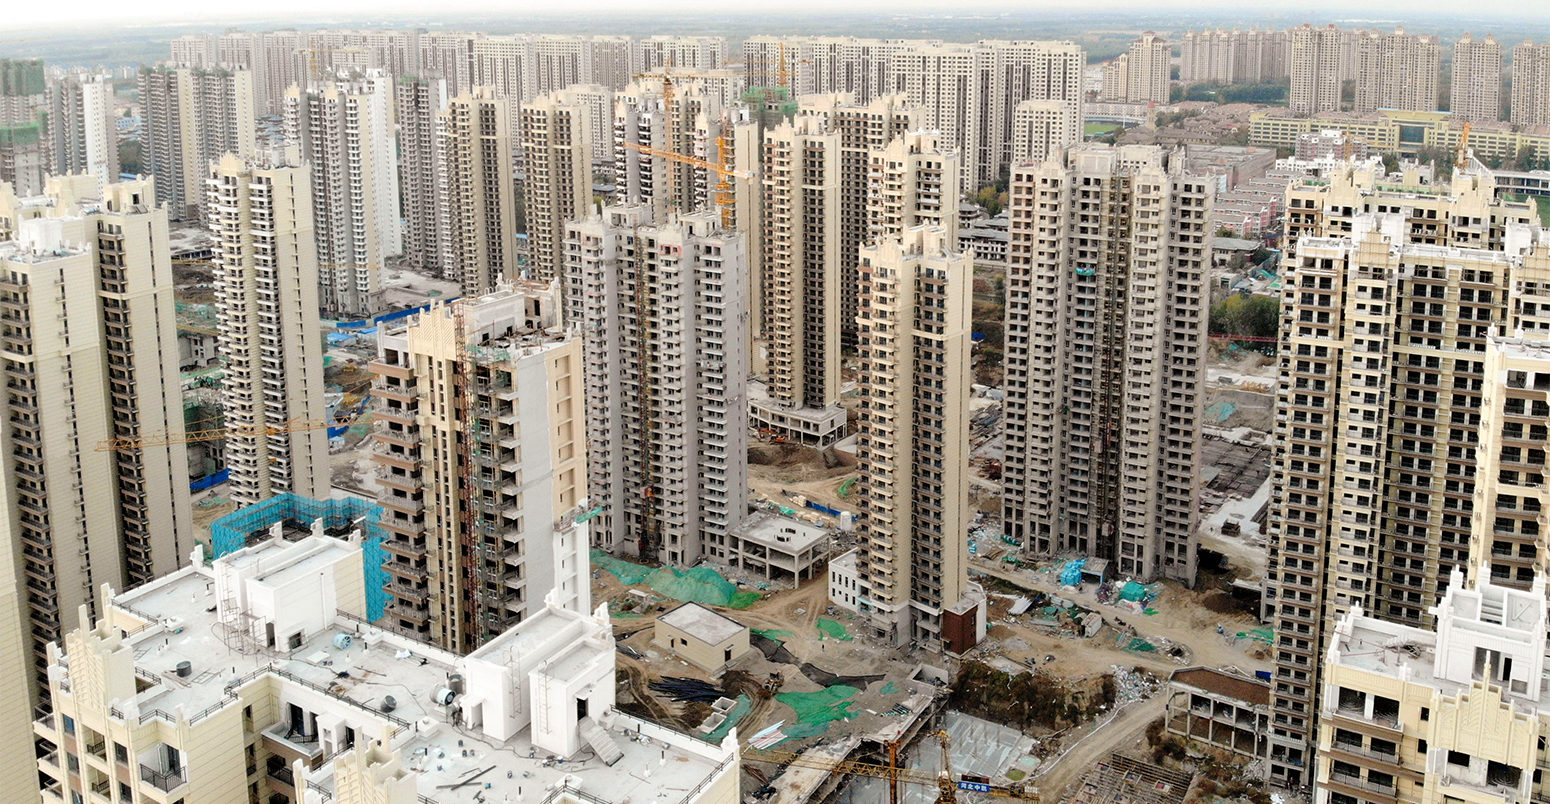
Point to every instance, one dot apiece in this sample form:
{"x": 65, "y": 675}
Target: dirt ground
{"x": 780, "y": 472}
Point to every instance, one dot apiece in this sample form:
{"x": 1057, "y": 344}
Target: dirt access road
{"x": 1124, "y": 733}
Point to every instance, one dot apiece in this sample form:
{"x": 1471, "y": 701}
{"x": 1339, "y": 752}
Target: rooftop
{"x": 1245, "y": 689}
{"x": 780, "y": 532}
{"x": 702, "y": 623}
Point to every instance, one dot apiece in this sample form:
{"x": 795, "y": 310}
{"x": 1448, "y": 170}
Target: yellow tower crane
{"x": 947, "y": 787}
{"x": 724, "y": 196}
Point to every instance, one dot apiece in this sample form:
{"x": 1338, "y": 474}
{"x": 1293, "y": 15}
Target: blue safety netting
{"x": 251, "y": 524}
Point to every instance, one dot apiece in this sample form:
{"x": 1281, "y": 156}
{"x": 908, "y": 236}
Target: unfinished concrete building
{"x": 1395, "y": 289}
{"x": 420, "y": 104}
{"x": 912, "y": 447}
{"x": 1220, "y": 709}
{"x": 479, "y": 456}
{"x": 1107, "y": 293}
{"x": 663, "y": 324}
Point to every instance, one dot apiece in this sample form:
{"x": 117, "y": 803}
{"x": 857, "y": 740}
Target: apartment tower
{"x": 666, "y": 361}
{"x": 1476, "y": 90}
{"x": 1530, "y": 84}
{"x": 266, "y": 287}
{"x": 342, "y": 131}
{"x": 1398, "y": 71}
{"x": 912, "y": 447}
{"x": 82, "y": 132}
{"x": 480, "y": 453}
{"x": 191, "y": 118}
{"x": 479, "y": 209}
{"x": 557, "y": 136}
{"x": 1315, "y": 68}
{"x": 1146, "y": 77}
{"x": 1105, "y": 328}
{"x": 420, "y": 105}
{"x": 1390, "y": 299}
{"x": 96, "y": 491}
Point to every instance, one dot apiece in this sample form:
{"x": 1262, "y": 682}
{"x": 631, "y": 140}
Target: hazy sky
{"x": 33, "y": 13}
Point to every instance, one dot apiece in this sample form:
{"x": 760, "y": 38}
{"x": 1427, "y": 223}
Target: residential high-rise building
{"x": 1506, "y": 543}
{"x": 1397, "y": 71}
{"x": 557, "y": 135}
{"x": 1106, "y": 314}
{"x": 342, "y": 131}
{"x": 802, "y": 276}
{"x": 266, "y": 286}
{"x": 666, "y": 359}
{"x": 1385, "y": 325}
{"x": 943, "y": 81}
{"x": 1314, "y": 64}
{"x": 862, "y": 129}
{"x": 1530, "y": 85}
{"x": 1116, "y": 79}
{"x": 912, "y": 447}
{"x": 479, "y": 209}
{"x": 96, "y": 492}
{"x": 1028, "y": 71}
{"x": 654, "y": 53}
{"x": 481, "y": 451}
{"x": 1042, "y": 128}
{"x": 421, "y": 103}
{"x": 191, "y": 118}
{"x": 1476, "y": 90}
{"x": 1146, "y": 76}
{"x": 83, "y": 137}
{"x": 1232, "y": 57}
{"x": 24, "y": 146}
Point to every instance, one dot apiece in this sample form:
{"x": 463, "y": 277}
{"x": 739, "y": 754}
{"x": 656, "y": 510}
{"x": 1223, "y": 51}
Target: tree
{"x": 1256, "y": 316}
{"x": 991, "y": 199}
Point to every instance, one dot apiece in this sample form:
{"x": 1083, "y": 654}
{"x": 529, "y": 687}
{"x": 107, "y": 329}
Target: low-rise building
{"x": 704, "y": 638}
{"x": 1220, "y": 709}
{"x": 1405, "y": 133}
{"x": 845, "y": 581}
{"x": 256, "y": 678}
{"x": 778, "y": 546}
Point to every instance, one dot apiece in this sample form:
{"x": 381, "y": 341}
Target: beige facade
{"x": 1394, "y": 286}
{"x": 1476, "y": 89}
{"x": 266, "y": 286}
{"x": 1146, "y": 77}
{"x": 342, "y": 131}
{"x": 420, "y": 104}
{"x": 191, "y": 118}
{"x": 512, "y": 391}
{"x": 1531, "y": 84}
{"x": 557, "y": 135}
{"x": 86, "y": 312}
{"x": 81, "y": 125}
{"x": 1396, "y": 71}
{"x": 1042, "y": 128}
{"x": 912, "y": 446}
{"x": 479, "y": 206}
{"x": 250, "y": 679}
{"x": 1233, "y": 57}
{"x": 1102, "y": 456}
{"x": 1451, "y": 713}
{"x": 705, "y": 639}
{"x": 1314, "y": 64}
{"x": 663, "y": 325}
{"x": 1507, "y": 543}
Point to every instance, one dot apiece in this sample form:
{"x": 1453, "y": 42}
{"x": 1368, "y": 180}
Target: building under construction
{"x": 479, "y": 460}
{"x": 664, "y": 325}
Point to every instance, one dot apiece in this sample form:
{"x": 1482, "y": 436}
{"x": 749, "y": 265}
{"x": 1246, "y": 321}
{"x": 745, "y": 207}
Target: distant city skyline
{"x": 194, "y": 13}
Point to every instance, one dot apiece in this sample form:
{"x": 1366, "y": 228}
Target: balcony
{"x": 164, "y": 780}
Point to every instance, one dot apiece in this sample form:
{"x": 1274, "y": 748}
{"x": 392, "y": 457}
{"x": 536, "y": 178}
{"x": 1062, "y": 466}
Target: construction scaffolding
{"x": 252, "y": 524}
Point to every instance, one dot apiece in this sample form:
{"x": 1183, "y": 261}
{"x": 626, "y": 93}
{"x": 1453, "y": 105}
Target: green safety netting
{"x": 696, "y": 584}
{"x": 890, "y": 688}
{"x": 735, "y": 714}
{"x": 816, "y": 710}
{"x": 832, "y": 629}
{"x": 772, "y": 634}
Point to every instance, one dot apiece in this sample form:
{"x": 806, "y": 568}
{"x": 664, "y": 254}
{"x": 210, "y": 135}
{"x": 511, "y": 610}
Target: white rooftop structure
{"x": 705, "y": 624}
{"x": 275, "y": 630}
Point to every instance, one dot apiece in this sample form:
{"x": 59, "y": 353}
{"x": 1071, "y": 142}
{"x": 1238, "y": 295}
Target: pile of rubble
{"x": 1133, "y": 684}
